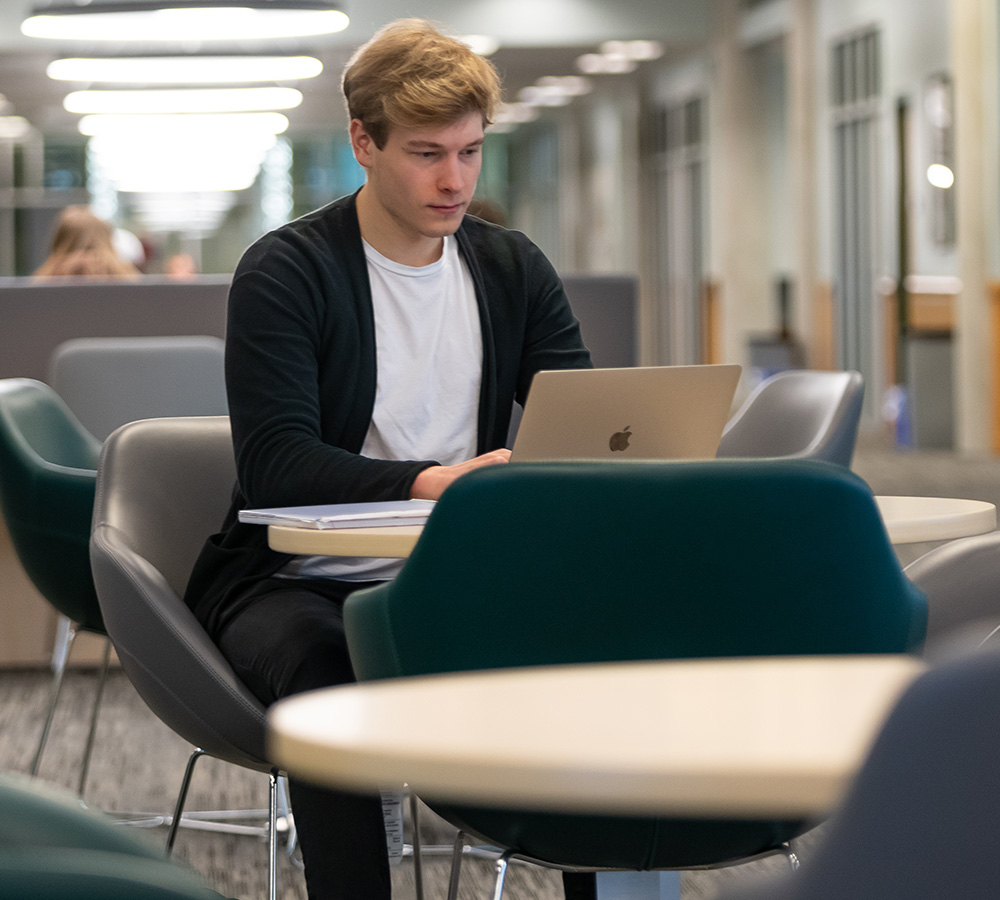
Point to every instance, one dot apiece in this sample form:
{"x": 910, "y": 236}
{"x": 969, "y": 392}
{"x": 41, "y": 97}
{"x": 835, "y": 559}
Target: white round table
{"x": 737, "y": 737}
{"x": 907, "y": 520}
{"x": 916, "y": 519}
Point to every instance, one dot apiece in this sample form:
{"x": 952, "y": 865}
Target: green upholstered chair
{"x": 51, "y": 848}
{"x": 535, "y": 564}
{"x": 48, "y": 470}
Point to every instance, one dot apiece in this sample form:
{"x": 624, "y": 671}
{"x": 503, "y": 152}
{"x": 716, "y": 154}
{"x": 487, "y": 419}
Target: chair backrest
{"x": 113, "y": 380}
{"x": 48, "y": 468}
{"x": 922, "y": 815}
{"x": 51, "y": 846}
{"x": 531, "y": 564}
{"x": 163, "y": 487}
{"x": 535, "y": 564}
{"x": 798, "y": 413}
{"x": 960, "y": 580}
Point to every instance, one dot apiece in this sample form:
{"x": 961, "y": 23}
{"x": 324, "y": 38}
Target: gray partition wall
{"x": 36, "y": 317}
{"x": 607, "y": 307}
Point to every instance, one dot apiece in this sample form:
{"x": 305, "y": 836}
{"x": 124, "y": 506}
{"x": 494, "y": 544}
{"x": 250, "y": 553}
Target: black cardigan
{"x": 300, "y": 375}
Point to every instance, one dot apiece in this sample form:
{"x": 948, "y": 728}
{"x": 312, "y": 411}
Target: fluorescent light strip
{"x": 193, "y": 24}
{"x": 185, "y": 69}
{"x": 184, "y": 126}
{"x": 482, "y": 44}
{"x": 13, "y": 128}
{"x": 182, "y": 101}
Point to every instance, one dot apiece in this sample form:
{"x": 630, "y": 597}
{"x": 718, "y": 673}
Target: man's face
{"x": 422, "y": 179}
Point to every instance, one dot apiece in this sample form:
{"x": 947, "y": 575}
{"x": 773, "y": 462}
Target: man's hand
{"x": 430, "y": 483}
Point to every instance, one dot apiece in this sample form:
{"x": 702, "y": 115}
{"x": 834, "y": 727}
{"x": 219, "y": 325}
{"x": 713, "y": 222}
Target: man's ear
{"x": 362, "y": 143}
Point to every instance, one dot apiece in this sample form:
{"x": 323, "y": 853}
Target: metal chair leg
{"x": 272, "y": 819}
{"x": 58, "y": 671}
{"x": 60, "y": 650}
{"x": 285, "y": 812}
{"x": 272, "y": 836}
{"x": 791, "y": 856}
{"x": 456, "y": 865}
{"x": 501, "y": 874}
{"x": 175, "y": 822}
{"x": 418, "y": 869}
{"x": 101, "y": 681}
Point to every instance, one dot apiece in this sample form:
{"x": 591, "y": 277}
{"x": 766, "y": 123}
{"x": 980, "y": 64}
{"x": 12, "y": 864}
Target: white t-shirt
{"x": 429, "y": 364}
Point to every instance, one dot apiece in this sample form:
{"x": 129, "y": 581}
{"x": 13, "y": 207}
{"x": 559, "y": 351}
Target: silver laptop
{"x": 658, "y": 412}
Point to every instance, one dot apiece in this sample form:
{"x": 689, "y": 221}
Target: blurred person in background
{"x": 83, "y": 246}
{"x": 181, "y": 267}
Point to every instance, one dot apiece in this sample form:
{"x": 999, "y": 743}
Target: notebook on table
{"x": 651, "y": 412}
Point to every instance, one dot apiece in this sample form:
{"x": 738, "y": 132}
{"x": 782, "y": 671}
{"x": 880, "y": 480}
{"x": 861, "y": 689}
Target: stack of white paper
{"x": 343, "y": 515}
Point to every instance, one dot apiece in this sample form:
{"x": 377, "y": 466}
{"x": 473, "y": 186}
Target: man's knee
{"x": 317, "y": 657}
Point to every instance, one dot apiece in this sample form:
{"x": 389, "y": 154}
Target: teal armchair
{"x": 52, "y": 848}
{"x": 48, "y": 473}
{"x": 537, "y": 564}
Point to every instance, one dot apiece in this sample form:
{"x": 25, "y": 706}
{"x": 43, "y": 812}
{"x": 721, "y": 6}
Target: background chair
{"x": 163, "y": 486}
{"x": 961, "y": 581}
{"x": 534, "y": 564}
{"x": 48, "y": 468}
{"x": 921, "y": 818}
{"x": 51, "y": 848}
{"x": 110, "y": 381}
{"x": 800, "y": 414}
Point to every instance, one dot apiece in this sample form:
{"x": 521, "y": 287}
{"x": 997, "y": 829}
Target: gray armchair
{"x": 799, "y": 413}
{"x": 108, "y": 381}
{"x": 962, "y": 582}
{"x": 163, "y": 486}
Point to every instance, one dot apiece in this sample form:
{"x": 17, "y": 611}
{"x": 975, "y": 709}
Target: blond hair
{"x": 413, "y": 75}
{"x": 82, "y": 245}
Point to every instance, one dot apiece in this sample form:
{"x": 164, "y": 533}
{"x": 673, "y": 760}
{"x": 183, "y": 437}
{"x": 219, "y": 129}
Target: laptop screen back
{"x": 657, "y": 412}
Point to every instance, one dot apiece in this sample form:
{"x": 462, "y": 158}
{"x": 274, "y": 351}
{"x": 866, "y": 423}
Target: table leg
{"x": 638, "y": 885}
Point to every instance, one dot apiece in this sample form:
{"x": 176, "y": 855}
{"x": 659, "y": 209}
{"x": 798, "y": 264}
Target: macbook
{"x": 655, "y": 412}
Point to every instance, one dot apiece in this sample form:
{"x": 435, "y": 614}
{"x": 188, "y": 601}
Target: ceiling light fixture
{"x": 196, "y": 100}
{"x": 14, "y": 128}
{"x": 185, "y": 69}
{"x": 184, "y": 20}
{"x": 619, "y": 57}
{"x": 184, "y": 127}
{"x": 641, "y": 51}
{"x": 483, "y": 44}
{"x": 601, "y": 64}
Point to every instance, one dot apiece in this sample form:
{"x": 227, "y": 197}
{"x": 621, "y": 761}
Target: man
{"x": 374, "y": 348}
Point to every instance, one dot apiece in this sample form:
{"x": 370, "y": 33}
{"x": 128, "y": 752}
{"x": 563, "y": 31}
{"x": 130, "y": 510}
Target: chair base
{"x": 504, "y": 858}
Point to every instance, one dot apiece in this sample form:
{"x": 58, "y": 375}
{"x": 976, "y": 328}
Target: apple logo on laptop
{"x": 619, "y": 440}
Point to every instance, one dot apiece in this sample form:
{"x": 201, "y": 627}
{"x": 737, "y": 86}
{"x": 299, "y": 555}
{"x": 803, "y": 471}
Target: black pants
{"x": 290, "y": 639}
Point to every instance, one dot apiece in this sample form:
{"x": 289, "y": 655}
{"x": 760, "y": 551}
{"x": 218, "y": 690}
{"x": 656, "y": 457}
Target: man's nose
{"x": 450, "y": 174}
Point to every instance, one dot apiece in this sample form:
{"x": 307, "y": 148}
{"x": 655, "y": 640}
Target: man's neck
{"x": 382, "y": 233}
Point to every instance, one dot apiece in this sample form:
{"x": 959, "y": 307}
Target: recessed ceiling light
{"x": 940, "y": 176}
{"x": 185, "y": 69}
{"x": 637, "y": 50}
{"x": 183, "y": 126}
{"x": 198, "y": 100}
{"x": 483, "y": 44}
{"x": 570, "y": 85}
{"x": 603, "y": 64}
{"x": 13, "y": 128}
{"x": 184, "y": 20}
